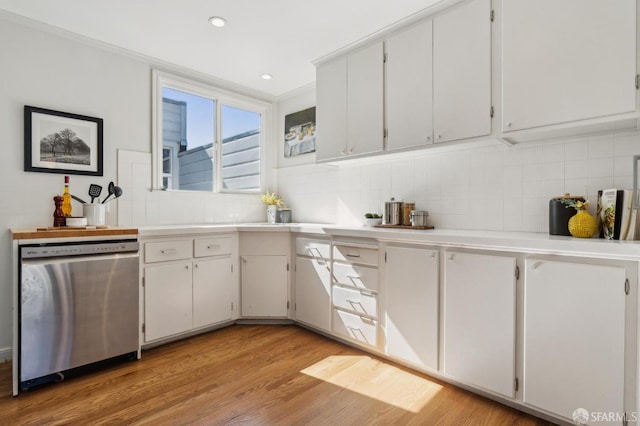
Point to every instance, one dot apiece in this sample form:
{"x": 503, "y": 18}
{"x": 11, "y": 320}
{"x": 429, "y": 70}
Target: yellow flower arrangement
{"x": 576, "y": 204}
{"x": 272, "y": 199}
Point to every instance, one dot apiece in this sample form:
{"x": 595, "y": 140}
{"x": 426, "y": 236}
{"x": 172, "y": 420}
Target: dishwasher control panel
{"x": 78, "y": 249}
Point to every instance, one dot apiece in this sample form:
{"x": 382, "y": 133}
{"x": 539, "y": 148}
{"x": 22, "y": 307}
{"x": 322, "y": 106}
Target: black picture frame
{"x": 62, "y": 142}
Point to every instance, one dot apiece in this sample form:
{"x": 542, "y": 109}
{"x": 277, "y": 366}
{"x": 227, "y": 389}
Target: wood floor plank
{"x": 257, "y": 375}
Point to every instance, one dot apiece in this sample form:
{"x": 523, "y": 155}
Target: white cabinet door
{"x": 462, "y": 72}
{"x": 574, "y": 337}
{"x": 167, "y": 296}
{"x": 331, "y": 109}
{"x": 479, "y": 320}
{"x": 264, "y": 286}
{"x": 409, "y": 93}
{"x": 313, "y": 286}
{"x": 212, "y": 291}
{"x": 365, "y": 100}
{"x": 411, "y": 315}
{"x": 568, "y": 60}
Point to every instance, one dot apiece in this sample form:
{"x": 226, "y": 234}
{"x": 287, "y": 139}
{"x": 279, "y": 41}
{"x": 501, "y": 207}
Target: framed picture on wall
{"x": 300, "y": 133}
{"x": 60, "y": 142}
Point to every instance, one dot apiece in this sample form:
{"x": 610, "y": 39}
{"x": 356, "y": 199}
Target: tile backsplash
{"x": 139, "y": 205}
{"x": 497, "y": 187}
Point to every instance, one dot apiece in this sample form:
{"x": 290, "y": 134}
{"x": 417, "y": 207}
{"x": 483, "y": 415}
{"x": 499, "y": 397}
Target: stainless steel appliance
{"x": 78, "y": 305}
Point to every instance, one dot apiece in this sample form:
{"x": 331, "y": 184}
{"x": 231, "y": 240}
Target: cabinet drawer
{"x": 167, "y": 250}
{"x": 313, "y": 248}
{"x": 212, "y": 246}
{"x": 362, "y": 277}
{"x": 354, "y": 327}
{"x": 355, "y": 254}
{"x": 360, "y": 302}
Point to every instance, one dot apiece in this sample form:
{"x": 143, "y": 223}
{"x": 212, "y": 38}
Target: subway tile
{"x": 575, "y": 169}
{"x": 553, "y": 171}
{"x": 626, "y": 144}
{"x": 600, "y": 167}
{"x": 601, "y": 146}
{"x": 577, "y": 150}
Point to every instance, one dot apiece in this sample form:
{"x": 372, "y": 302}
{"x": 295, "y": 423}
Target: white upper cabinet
{"x": 331, "y": 111}
{"x": 365, "y": 101}
{"x": 462, "y": 72}
{"x": 349, "y": 104}
{"x": 567, "y": 60}
{"x": 408, "y": 91}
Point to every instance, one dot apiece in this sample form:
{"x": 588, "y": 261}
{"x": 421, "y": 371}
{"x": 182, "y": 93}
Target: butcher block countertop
{"x": 64, "y": 232}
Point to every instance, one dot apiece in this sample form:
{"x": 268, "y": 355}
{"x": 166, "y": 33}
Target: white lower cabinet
{"x": 264, "y": 286}
{"x": 574, "y": 337}
{"x": 313, "y": 287}
{"x": 480, "y": 320}
{"x": 411, "y": 315}
{"x": 183, "y": 295}
{"x": 355, "y": 327}
{"x": 355, "y": 290}
{"x": 168, "y": 300}
{"x": 212, "y": 291}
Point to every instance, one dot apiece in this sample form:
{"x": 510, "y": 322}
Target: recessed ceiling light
{"x": 217, "y": 21}
{"x": 266, "y": 76}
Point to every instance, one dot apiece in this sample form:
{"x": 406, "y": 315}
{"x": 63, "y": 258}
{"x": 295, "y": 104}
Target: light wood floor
{"x": 255, "y": 375}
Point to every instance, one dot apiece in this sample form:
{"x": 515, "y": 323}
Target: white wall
{"x": 493, "y": 187}
{"x": 41, "y": 68}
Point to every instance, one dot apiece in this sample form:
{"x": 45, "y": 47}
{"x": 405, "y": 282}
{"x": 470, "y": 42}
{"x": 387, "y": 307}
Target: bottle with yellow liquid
{"x": 66, "y": 198}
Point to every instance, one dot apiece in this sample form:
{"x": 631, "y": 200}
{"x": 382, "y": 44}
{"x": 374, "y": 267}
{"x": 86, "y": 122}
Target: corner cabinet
{"x": 350, "y": 104}
{"x": 189, "y": 284}
{"x": 479, "y": 318}
{"x": 574, "y": 337}
{"x": 264, "y": 283}
{"x": 412, "y": 300}
{"x": 567, "y": 61}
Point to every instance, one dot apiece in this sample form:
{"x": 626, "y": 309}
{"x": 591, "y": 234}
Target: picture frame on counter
{"x": 62, "y": 142}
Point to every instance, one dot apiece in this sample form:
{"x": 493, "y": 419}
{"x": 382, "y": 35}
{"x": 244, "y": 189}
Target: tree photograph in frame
{"x": 61, "y": 142}
{"x": 300, "y": 132}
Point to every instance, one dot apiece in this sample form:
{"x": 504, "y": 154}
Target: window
{"x": 207, "y": 139}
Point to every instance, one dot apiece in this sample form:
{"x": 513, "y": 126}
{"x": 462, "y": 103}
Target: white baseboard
{"x": 5, "y": 355}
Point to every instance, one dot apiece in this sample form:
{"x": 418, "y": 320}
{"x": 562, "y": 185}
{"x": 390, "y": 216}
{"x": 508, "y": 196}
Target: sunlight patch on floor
{"x": 375, "y": 379}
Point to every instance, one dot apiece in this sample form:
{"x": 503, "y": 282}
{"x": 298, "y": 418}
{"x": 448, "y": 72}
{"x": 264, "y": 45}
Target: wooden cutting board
{"x": 403, "y": 227}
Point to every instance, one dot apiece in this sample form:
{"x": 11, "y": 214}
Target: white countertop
{"x": 503, "y": 241}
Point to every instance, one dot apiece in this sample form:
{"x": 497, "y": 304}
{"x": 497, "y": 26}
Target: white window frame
{"x": 221, "y": 96}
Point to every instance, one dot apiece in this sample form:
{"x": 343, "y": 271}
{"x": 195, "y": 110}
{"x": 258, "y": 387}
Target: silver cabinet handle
{"x": 343, "y": 152}
{"x": 507, "y": 124}
{"x": 186, "y": 267}
{"x": 169, "y": 251}
{"x": 195, "y": 266}
{"x": 451, "y": 256}
{"x": 352, "y": 255}
{"x": 438, "y": 137}
{"x": 366, "y": 293}
{"x": 350, "y": 151}
{"x": 213, "y": 247}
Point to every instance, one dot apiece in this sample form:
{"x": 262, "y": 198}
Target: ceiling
{"x": 278, "y": 37}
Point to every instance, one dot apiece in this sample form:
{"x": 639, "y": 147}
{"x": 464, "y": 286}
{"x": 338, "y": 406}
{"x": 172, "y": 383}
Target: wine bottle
{"x": 66, "y": 198}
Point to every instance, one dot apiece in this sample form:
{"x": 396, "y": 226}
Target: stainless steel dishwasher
{"x": 78, "y": 305}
